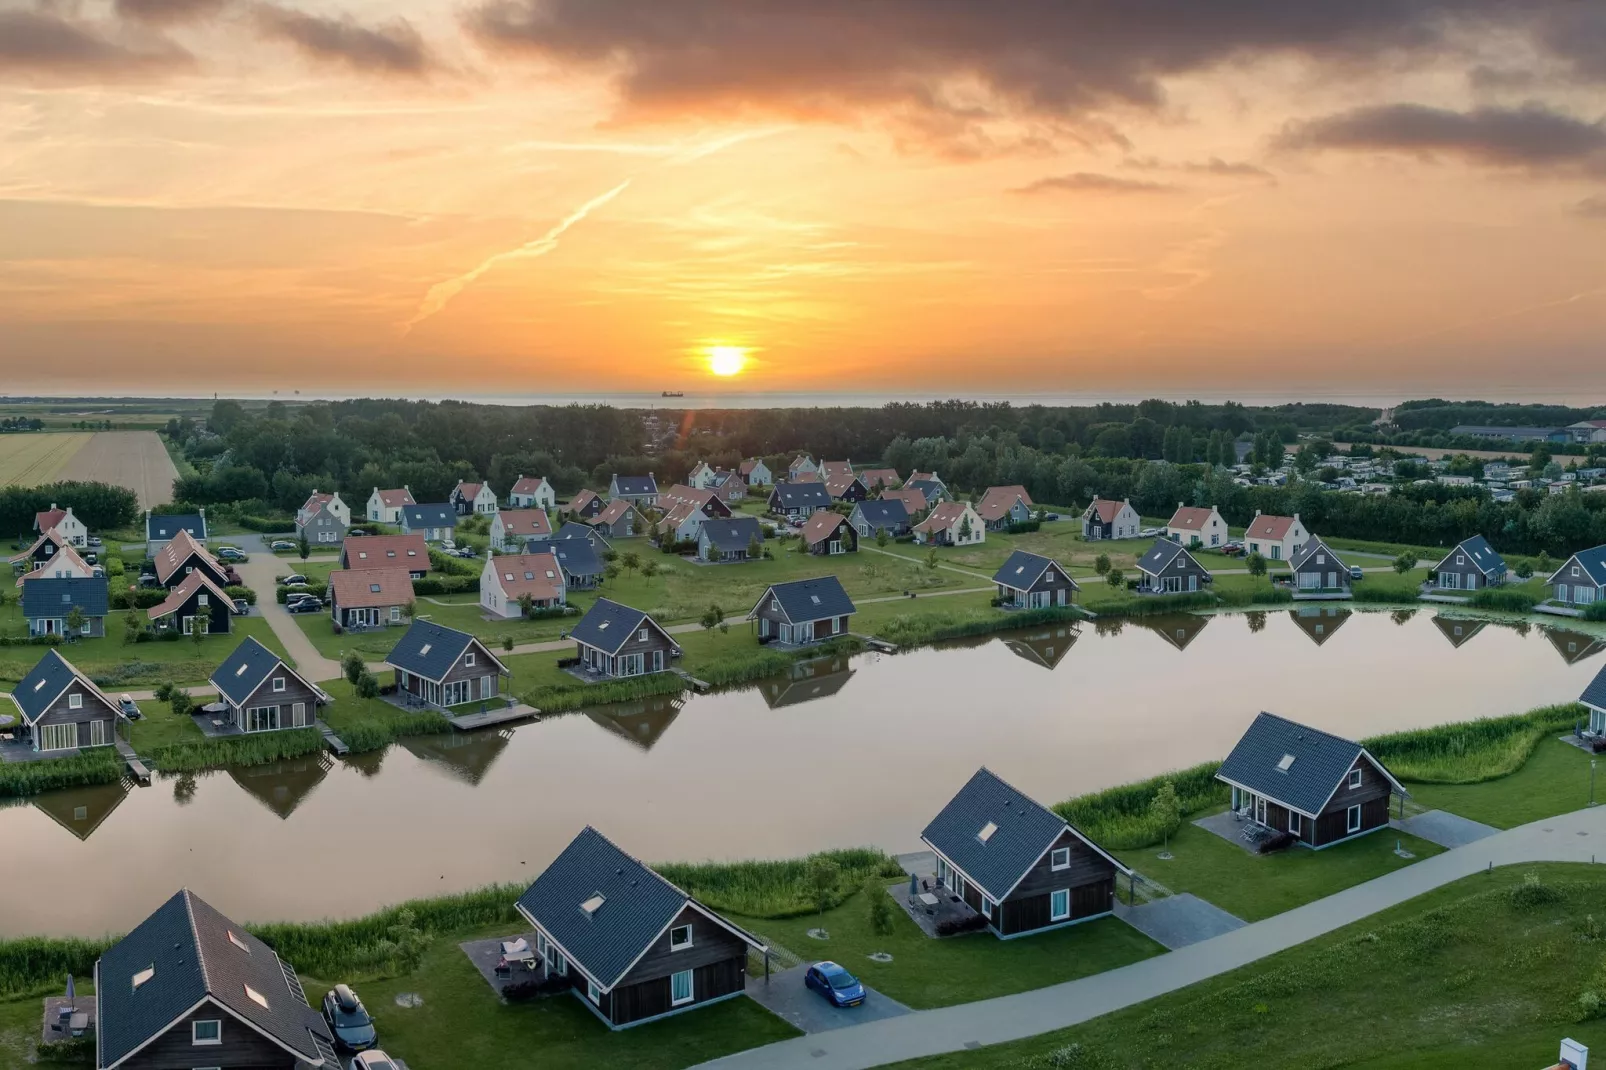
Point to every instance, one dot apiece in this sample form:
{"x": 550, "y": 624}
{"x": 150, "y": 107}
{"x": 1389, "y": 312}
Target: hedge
{"x": 317, "y": 589}
{"x": 137, "y": 598}
{"x": 447, "y": 585}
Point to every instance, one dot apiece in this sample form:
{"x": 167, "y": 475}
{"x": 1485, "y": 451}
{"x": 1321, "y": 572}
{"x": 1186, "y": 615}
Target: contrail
{"x": 442, "y": 292}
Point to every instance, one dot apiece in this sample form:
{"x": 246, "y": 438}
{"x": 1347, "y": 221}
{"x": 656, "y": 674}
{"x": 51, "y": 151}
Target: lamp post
{"x": 1592, "y": 781}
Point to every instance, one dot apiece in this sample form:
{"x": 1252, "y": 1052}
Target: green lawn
{"x": 1463, "y": 976}
{"x": 1258, "y": 886}
{"x": 1554, "y": 780}
{"x": 136, "y": 666}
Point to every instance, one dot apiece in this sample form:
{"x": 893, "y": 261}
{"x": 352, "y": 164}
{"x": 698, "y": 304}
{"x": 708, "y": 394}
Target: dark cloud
{"x": 1591, "y": 207}
{"x": 1532, "y": 138}
{"x": 1092, "y": 182}
{"x": 43, "y": 44}
{"x": 394, "y": 47}
{"x": 161, "y": 12}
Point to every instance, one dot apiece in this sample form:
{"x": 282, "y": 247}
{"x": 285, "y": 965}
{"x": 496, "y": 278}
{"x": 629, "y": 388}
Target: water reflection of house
{"x": 468, "y": 756}
{"x": 642, "y": 721}
{"x": 1458, "y": 629}
{"x": 1320, "y": 622}
{"x": 1045, "y": 648}
{"x": 1178, "y": 629}
{"x": 283, "y": 785}
{"x": 808, "y": 681}
{"x": 82, "y": 810}
{"x": 1574, "y": 646}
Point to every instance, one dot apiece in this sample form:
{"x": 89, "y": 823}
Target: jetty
{"x": 136, "y": 767}
{"x": 697, "y": 685}
{"x": 494, "y": 715}
{"x": 332, "y": 741}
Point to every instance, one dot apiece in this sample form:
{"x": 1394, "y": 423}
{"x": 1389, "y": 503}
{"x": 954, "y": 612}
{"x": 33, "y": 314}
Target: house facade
{"x": 680, "y": 524}
{"x": 613, "y": 640}
{"x": 62, "y": 521}
{"x": 913, "y": 499}
{"x": 802, "y": 466}
{"x": 1594, "y": 697}
{"x": 442, "y": 667}
{"x": 1107, "y": 519}
{"x": 370, "y": 597}
{"x": 803, "y": 611}
{"x": 181, "y": 556}
{"x": 385, "y": 506}
{"x": 951, "y": 524}
{"x": 48, "y": 604}
{"x": 934, "y": 489}
{"x": 1274, "y": 537}
{"x": 470, "y": 498}
{"x": 61, "y": 709}
{"x": 1001, "y": 507}
{"x": 532, "y": 492}
{"x": 1581, "y": 579}
{"x": 185, "y": 604}
{"x": 40, "y": 552}
{"x": 637, "y": 490}
{"x": 756, "y": 472}
{"x": 1197, "y": 526}
{"x": 1031, "y": 581}
{"x": 845, "y": 487}
{"x": 870, "y": 518}
{"x": 828, "y": 532}
{"x": 584, "y": 505}
{"x": 708, "y": 500}
{"x": 730, "y": 540}
{"x": 161, "y": 527}
{"x": 508, "y": 578}
{"x": 339, "y": 509}
{"x": 410, "y": 552}
{"x": 261, "y": 693}
{"x": 1317, "y": 569}
{"x": 321, "y": 525}
{"x": 795, "y": 501}
{"x": 40, "y": 563}
{"x": 513, "y": 531}
{"x": 701, "y": 476}
{"x": 1168, "y": 568}
{"x": 619, "y": 519}
{"x": 580, "y": 561}
{"x": 435, "y": 521}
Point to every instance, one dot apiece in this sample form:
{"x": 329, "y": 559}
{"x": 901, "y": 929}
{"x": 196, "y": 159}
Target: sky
{"x": 529, "y": 197}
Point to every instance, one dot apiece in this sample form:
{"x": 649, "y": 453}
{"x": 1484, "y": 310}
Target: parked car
{"x": 304, "y": 605}
{"x": 228, "y": 547}
{"x": 449, "y": 546}
{"x": 349, "y": 1020}
{"x": 281, "y": 544}
{"x": 1051, "y": 516}
{"x": 835, "y": 984}
{"x": 1148, "y": 533}
{"x": 466, "y": 551}
{"x": 1355, "y": 572}
{"x": 94, "y": 540}
{"x": 148, "y": 579}
{"x": 91, "y": 557}
{"x": 355, "y": 533}
{"x": 128, "y": 707}
{"x": 292, "y": 580}
{"x": 229, "y": 553}
{"x": 373, "y": 1059}
{"x": 242, "y": 607}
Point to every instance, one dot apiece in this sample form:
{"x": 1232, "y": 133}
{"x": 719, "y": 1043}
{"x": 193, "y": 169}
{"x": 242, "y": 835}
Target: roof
{"x": 386, "y": 551}
{"x": 608, "y": 624}
{"x": 932, "y": 489}
{"x": 836, "y": 468}
{"x": 44, "y": 684}
{"x": 577, "y": 556}
{"x": 166, "y": 525}
{"x": 1316, "y": 763}
{"x": 1022, "y": 569}
{"x": 837, "y": 483}
{"x": 943, "y": 516}
{"x": 885, "y": 512}
{"x": 1269, "y": 527}
{"x": 879, "y": 477}
{"x": 49, "y": 518}
{"x": 395, "y": 499}
{"x": 430, "y": 650}
{"x": 804, "y": 495}
{"x": 181, "y": 594}
{"x": 433, "y": 515}
{"x": 924, "y": 477}
{"x": 733, "y": 533}
{"x": 1106, "y": 509}
{"x": 913, "y": 498}
{"x": 179, "y": 549}
{"x": 1160, "y": 556}
{"x": 811, "y": 599}
{"x": 747, "y": 466}
{"x": 467, "y": 490}
{"x": 581, "y": 500}
{"x": 615, "y": 512}
{"x": 680, "y": 493}
{"x": 1595, "y": 693}
{"x": 527, "y": 484}
{"x": 196, "y": 953}
{"x": 55, "y": 596}
{"x": 369, "y": 588}
{"x": 531, "y": 522}
{"x": 1191, "y": 517}
{"x": 48, "y": 535}
{"x": 678, "y": 514}
{"x": 573, "y": 529}
{"x": 635, "y": 484}
{"x": 996, "y": 503}
{"x": 1593, "y": 562}
{"x": 537, "y": 575}
{"x": 315, "y": 500}
{"x": 1311, "y": 547}
{"x": 47, "y": 568}
{"x": 822, "y": 525}
{"x": 243, "y": 671}
{"x": 1022, "y": 830}
{"x": 802, "y": 458}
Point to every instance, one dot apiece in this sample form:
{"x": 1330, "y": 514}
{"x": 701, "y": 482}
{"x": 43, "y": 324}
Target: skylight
{"x": 241, "y": 670}
{"x": 593, "y": 904}
{"x": 256, "y": 997}
{"x": 424, "y": 649}
{"x": 38, "y": 685}
{"x": 986, "y": 832}
{"x": 237, "y": 942}
{"x": 814, "y": 598}
{"x": 144, "y": 975}
{"x": 374, "y": 587}
{"x": 603, "y": 626}
{"x": 1286, "y": 764}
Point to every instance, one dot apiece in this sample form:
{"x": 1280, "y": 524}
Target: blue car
{"x": 835, "y": 984}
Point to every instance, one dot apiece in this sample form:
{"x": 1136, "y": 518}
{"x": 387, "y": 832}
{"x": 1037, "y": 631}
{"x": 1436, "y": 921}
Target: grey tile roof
{"x": 441, "y": 515}
{"x": 732, "y": 534}
{"x": 812, "y": 599}
{"x": 607, "y": 624}
{"x": 1482, "y": 554}
{"x": 166, "y": 525}
{"x": 1321, "y": 761}
{"x": 1022, "y": 569}
{"x": 636, "y": 485}
{"x": 1593, "y": 562}
{"x": 187, "y": 943}
{"x": 1309, "y": 549}
{"x": 243, "y": 671}
{"x": 1160, "y": 556}
{"x": 887, "y": 513}
{"x": 810, "y": 496}
{"x": 428, "y": 649}
{"x": 1595, "y": 694}
{"x": 577, "y": 556}
{"x": 44, "y": 683}
{"x": 55, "y": 596}
{"x": 931, "y": 488}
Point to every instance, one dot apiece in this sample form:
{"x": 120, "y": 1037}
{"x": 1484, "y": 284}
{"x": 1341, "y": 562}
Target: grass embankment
{"x": 1487, "y": 971}
{"x": 98, "y": 766}
{"x": 366, "y": 724}
{"x": 118, "y": 666}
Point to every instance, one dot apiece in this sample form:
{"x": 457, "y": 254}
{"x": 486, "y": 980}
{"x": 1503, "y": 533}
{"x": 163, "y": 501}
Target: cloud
{"x": 1092, "y": 182}
{"x": 393, "y": 47}
{"x": 1532, "y": 138}
{"x": 1228, "y": 168}
{"x": 1591, "y": 207}
{"x": 162, "y": 12}
{"x": 42, "y": 43}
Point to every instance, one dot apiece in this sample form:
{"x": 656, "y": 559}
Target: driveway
{"x": 1178, "y": 920}
{"x": 259, "y": 574}
{"x": 1445, "y": 829}
{"x": 786, "y": 996}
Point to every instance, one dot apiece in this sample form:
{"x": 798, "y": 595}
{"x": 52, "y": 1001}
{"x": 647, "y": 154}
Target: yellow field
{"x": 34, "y": 457}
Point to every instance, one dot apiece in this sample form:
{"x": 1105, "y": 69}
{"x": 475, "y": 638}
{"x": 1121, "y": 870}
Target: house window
{"x": 1293, "y": 823}
{"x": 1354, "y": 778}
{"x": 1059, "y": 904}
{"x": 1354, "y": 815}
{"x": 75, "y": 701}
{"x": 278, "y": 683}
{"x": 206, "y": 1032}
{"x": 201, "y": 601}
{"x": 468, "y": 659}
{"x": 680, "y": 937}
{"x": 1060, "y": 859}
{"x": 395, "y": 613}
{"x": 58, "y": 736}
{"x": 986, "y": 908}
{"x": 642, "y": 635}
{"x": 680, "y": 988}
{"x": 593, "y": 993}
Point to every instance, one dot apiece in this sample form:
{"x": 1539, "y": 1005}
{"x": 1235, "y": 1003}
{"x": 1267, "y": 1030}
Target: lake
{"x": 846, "y": 752}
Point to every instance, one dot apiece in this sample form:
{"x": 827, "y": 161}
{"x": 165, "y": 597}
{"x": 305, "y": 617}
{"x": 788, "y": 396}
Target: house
{"x": 585, "y": 505}
{"x": 1471, "y": 566}
{"x": 798, "y": 500}
{"x": 41, "y": 551}
{"x": 1274, "y": 537}
{"x": 1168, "y": 568}
{"x": 184, "y": 603}
{"x": 387, "y": 551}
{"x": 1319, "y": 788}
{"x": 369, "y": 597}
{"x": 532, "y": 492}
{"x": 47, "y": 602}
{"x": 188, "y": 987}
{"x": 319, "y": 523}
{"x": 1016, "y": 862}
{"x": 1317, "y": 569}
{"x": 64, "y": 562}
{"x": 1319, "y": 622}
{"x": 1581, "y": 579}
{"x": 572, "y": 530}
{"x": 435, "y": 522}
{"x": 803, "y": 611}
{"x": 470, "y": 498}
{"x": 845, "y": 487}
{"x": 1107, "y": 519}
{"x": 637, "y": 490}
{"x": 633, "y": 947}
{"x": 339, "y": 509}
{"x": 619, "y": 520}
{"x": 880, "y": 478}
{"x": 1031, "y": 581}
{"x": 1587, "y": 431}
{"x": 729, "y": 486}
{"x": 61, "y": 709}
{"x": 701, "y": 476}
{"x": 802, "y": 465}
{"x": 708, "y": 500}
{"x": 508, "y": 578}
{"x": 1001, "y": 507}
{"x": 1512, "y": 434}
{"x": 443, "y": 667}
{"x": 160, "y": 527}
{"x": 870, "y": 518}
{"x": 680, "y": 524}
{"x": 515, "y": 530}
{"x": 913, "y": 499}
{"x": 181, "y": 556}
{"x": 1194, "y": 525}
{"x": 71, "y": 529}
{"x": 262, "y": 693}
{"x": 730, "y": 540}
{"x": 951, "y": 524}
{"x": 934, "y": 489}
{"x": 614, "y": 640}
{"x": 755, "y": 472}
{"x": 385, "y": 506}
{"x": 580, "y": 561}
{"x": 828, "y": 532}
{"x": 1594, "y": 697}
{"x": 830, "y": 470}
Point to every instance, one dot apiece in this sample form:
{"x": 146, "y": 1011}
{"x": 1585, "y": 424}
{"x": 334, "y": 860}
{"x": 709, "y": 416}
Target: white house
{"x": 1190, "y": 524}
{"x": 69, "y": 527}
{"x": 532, "y": 492}
{"x": 508, "y": 577}
{"x": 702, "y": 476}
{"x": 330, "y": 502}
{"x": 683, "y": 523}
{"x": 1274, "y": 537}
{"x": 756, "y": 472}
{"x": 385, "y": 506}
{"x": 951, "y": 524}
{"x": 802, "y": 465}
{"x": 513, "y": 530}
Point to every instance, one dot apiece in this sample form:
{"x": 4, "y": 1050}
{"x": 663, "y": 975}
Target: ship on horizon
{"x": 673, "y": 394}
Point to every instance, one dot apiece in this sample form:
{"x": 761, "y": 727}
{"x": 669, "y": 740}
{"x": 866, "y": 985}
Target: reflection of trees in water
{"x": 1256, "y": 619}
{"x": 1109, "y": 626}
{"x": 184, "y": 787}
{"x": 367, "y": 763}
{"x": 1402, "y": 616}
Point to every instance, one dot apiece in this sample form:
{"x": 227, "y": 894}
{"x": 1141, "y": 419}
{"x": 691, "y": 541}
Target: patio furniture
{"x": 79, "y": 1023}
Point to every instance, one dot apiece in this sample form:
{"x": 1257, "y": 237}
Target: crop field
{"x": 133, "y": 459}
{"x": 29, "y": 459}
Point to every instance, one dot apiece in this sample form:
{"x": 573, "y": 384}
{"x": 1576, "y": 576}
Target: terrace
{"x": 929, "y": 904}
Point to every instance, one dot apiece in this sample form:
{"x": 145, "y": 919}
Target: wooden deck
{"x": 496, "y": 715}
{"x": 332, "y": 741}
{"x": 136, "y": 768}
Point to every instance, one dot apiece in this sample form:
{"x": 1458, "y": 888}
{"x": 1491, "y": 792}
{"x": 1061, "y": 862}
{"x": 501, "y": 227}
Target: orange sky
{"x": 526, "y": 196}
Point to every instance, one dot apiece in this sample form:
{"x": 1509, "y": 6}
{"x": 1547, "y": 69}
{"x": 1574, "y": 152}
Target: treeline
{"x": 1436, "y": 414}
{"x": 98, "y": 505}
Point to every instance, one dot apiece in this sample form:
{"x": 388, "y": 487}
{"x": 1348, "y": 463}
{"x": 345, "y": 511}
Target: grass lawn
{"x": 129, "y": 667}
{"x": 1258, "y": 886}
{"x": 1554, "y": 780}
{"x": 937, "y": 973}
{"x": 1463, "y": 976}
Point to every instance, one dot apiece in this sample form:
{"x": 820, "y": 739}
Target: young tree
{"x": 132, "y": 626}
{"x": 823, "y": 876}
{"x": 352, "y": 666}
{"x": 1256, "y": 619}
{"x": 611, "y": 572}
{"x": 712, "y": 617}
{"x": 1114, "y": 578}
{"x": 880, "y": 908}
{"x": 931, "y": 561}
{"x": 1524, "y": 569}
{"x": 367, "y": 685}
{"x": 526, "y": 604}
{"x": 964, "y": 528}
{"x": 1101, "y": 564}
{"x": 881, "y": 537}
{"x": 755, "y": 548}
{"x": 409, "y": 609}
{"x": 75, "y": 621}
{"x": 1256, "y": 564}
{"x": 303, "y": 547}
{"x": 630, "y": 560}
{"x": 1405, "y": 562}
{"x": 180, "y": 700}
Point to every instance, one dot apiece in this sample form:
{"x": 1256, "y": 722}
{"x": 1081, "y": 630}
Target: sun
{"x": 725, "y": 361}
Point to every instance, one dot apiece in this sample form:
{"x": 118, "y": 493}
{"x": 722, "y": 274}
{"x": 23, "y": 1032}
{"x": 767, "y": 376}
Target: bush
{"x": 1024, "y": 526}
{"x": 1532, "y": 893}
{"x": 1501, "y": 598}
{"x": 77, "y": 1050}
{"x": 1473, "y": 751}
{"x": 136, "y": 598}
{"x": 267, "y": 525}
{"x": 100, "y": 765}
{"x": 258, "y": 748}
{"x": 317, "y": 590}
{"x": 1277, "y": 841}
{"x": 1365, "y": 593}
{"x": 247, "y": 593}
{"x": 431, "y": 585}
{"x": 953, "y": 927}
{"x": 1125, "y": 818}
{"x": 879, "y": 908}
{"x": 367, "y": 685}
{"x": 1595, "y": 611}
{"x": 781, "y": 888}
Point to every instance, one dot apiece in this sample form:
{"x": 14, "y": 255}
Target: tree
{"x": 132, "y": 626}
{"x": 630, "y": 560}
{"x": 755, "y": 548}
{"x": 823, "y": 875}
{"x": 526, "y": 604}
{"x": 75, "y": 621}
{"x": 303, "y": 547}
{"x": 931, "y": 561}
{"x": 649, "y": 569}
{"x": 409, "y": 609}
{"x": 1405, "y": 562}
{"x": 352, "y": 666}
{"x": 1166, "y": 809}
{"x": 1524, "y": 569}
{"x": 611, "y": 572}
{"x": 1101, "y": 564}
{"x": 367, "y": 685}
{"x": 1114, "y": 577}
{"x": 1256, "y": 564}
{"x": 198, "y": 625}
{"x": 180, "y": 700}
{"x": 881, "y": 537}
{"x": 964, "y": 528}
{"x": 712, "y": 617}
{"x": 1256, "y": 619}
{"x": 880, "y": 908}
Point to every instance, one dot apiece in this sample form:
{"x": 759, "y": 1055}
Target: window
{"x": 641, "y": 636}
{"x": 1354, "y": 815}
{"x": 1059, "y": 904}
{"x": 237, "y": 942}
{"x": 593, "y": 993}
{"x": 593, "y": 904}
{"x": 144, "y": 975}
{"x": 1286, "y": 764}
{"x": 986, "y": 908}
{"x": 468, "y": 659}
{"x": 278, "y": 683}
{"x": 256, "y": 997}
{"x": 679, "y": 937}
{"x": 1060, "y": 859}
{"x": 1354, "y": 778}
{"x": 75, "y": 701}
{"x": 207, "y": 1032}
{"x": 58, "y": 736}
{"x": 395, "y": 613}
{"x": 1293, "y": 823}
{"x": 680, "y": 988}
{"x": 986, "y": 832}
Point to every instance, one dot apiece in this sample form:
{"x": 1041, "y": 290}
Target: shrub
{"x": 1532, "y": 892}
{"x": 317, "y": 590}
{"x": 1472, "y": 751}
{"x": 1502, "y": 598}
{"x": 352, "y": 666}
{"x": 1125, "y": 817}
{"x": 955, "y": 926}
{"x": 100, "y": 765}
{"x": 782, "y": 888}
{"x": 247, "y": 593}
{"x": 76, "y": 1050}
{"x": 1023, "y": 526}
{"x": 1366, "y": 593}
{"x": 1595, "y": 611}
{"x": 1277, "y": 841}
{"x": 880, "y": 908}
{"x": 433, "y": 585}
{"x": 259, "y": 748}
{"x": 367, "y": 685}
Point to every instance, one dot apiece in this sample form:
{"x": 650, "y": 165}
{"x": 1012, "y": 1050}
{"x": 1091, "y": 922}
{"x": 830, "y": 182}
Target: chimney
{"x": 1257, "y": 512}
{"x": 1179, "y": 505}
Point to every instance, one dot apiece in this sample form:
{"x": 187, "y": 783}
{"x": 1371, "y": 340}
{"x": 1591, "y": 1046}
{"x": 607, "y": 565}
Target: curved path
{"x": 1574, "y": 837}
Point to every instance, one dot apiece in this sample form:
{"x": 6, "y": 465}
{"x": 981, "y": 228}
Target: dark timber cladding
{"x": 1472, "y": 565}
{"x": 1017, "y": 863}
{"x": 1031, "y": 580}
{"x": 616, "y": 640}
{"x": 263, "y": 693}
{"x": 1316, "y": 567}
{"x": 1169, "y": 567}
{"x": 62, "y": 708}
{"x": 803, "y": 611}
{"x": 445, "y": 667}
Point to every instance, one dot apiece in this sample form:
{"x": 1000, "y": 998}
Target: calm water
{"x": 855, "y": 752}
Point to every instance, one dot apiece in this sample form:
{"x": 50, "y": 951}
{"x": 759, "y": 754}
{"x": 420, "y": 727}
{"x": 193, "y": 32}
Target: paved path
{"x": 1444, "y": 828}
{"x": 1574, "y": 837}
{"x": 1178, "y": 920}
{"x": 788, "y": 998}
{"x": 259, "y": 573}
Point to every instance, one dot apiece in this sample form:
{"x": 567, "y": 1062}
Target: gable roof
{"x": 50, "y": 535}
{"x": 1191, "y": 517}
{"x": 1482, "y": 554}
{"x": 747, "y": 466}
{"x": 1105, "y": 509}
{"x": 607, "y": 625}
{"x": 430, "y": 650}
{"x": 528, "y": 484}
{"x": 678, "y": 514}
{"x": 581, "y": 500}
{"x": 356, "y": 588}
{"x": 245, "y": 670}
{"x": 47, "y": 568}
{"x": 386, "y": 551}
{"x": 538, "y": 575}
{"x": 179, "y": 549}
{"x": 616, "y": 511}
{"x": 1160, "y": 556}
{"x": 527, "y": 522}
{"x": 1310, "y": 548}
{"x": 1023, "y": 830}
{"x": 930, "y": 489}
{"x": 1593, "y": 562}
{"x": 944, "y": 516}
{"x": 924, "y": 477}
{"x": 1595, "y": 694}
{"x": 811, "y": 599}
{"x": 1320, "y": 762}
{"x": 996, "y": 503}
{"x": 635, "y": 485}
{"x": 879, "y": 477}
{"x": 1274, "y": 528}
{"x": 577, "y": 556}
{"x": 680, "y": 493}
{"x": 44, "y": 683}
{"x": 55, "y": 596}
{"x": 431, "y": 515}
{"x": 468, "y": 491}
{"x": 395, "y": 498}
{"x": 913, "y": 498}
{"x": 732, "y": 533}
{"x": 883, "y": 512}
{"x": 805, "y": 495}
{"x": 314, "y": 501}
{"x": 166, "y": 525}
{"x": 49, "y": 518}
{"x": 179, "y": 595}
{"x": 837, "y": 483}
{"x": 822, "y": 525}
{"x": 196, "y": 954}
{"x": 1022, "y": 569}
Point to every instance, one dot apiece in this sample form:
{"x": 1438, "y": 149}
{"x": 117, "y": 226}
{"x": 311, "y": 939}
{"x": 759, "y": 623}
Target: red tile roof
{"x": 1190, "y": 516}
{"x": 178, "y": 550}
{"x": 836, "y": 468}
{"x": 615, "y": 512}
{"x": 747, "y": 466}
{"x": 806, "y": 477}
{"x": 879, "y": 477}
{"x": 48, "y": 519}
{"x": 468, "y": 490}
{"x": 528, "y": 484}
{"x": 997, "y": 502}
{"x": 679, "y": 493}
{"x": 837, "y": 483}
{"x": 80, "y": 567}
{"x": 1269, "y": 527}
{"x": 913, "y": 498}
{"x": 537, "y": 575}
{"x": 580, "y": 501}
{"x": 181, "y": 594}
{"x": 314, "y": 500}
{"x": 942, "y": 517}
{"x": 370, "y": 588}
{"x": 1107, "y": 510}
{"x": 395, "y": 499}
{"x": 921, "y": 475}
{"x": 386, "y": 551}
{"x": 822, "y": 525}
{"x": 528, "y": 522}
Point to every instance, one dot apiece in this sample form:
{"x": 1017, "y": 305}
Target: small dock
{"x": 697, "y": 685}
{"x": 332, "y": 741}
{"x": 880, "y": 646}
{"x": 136, "y": 767}
{"x": 493, "y": 716}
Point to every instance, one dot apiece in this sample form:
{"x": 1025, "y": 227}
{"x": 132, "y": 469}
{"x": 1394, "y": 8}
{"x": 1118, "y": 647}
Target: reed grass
{"x": 1155, "y": 604}
{"x": 951, "y": 624}
{"x": 35, "y": 965}
{"x": 1473, "y": 751}
{"x": 757, "y": 663}
{"x": 557, "y": 698}
{"x": 256, "y": 748}
{"x": 1121, "y": 818}
{"x": 779, "y": 888}
{"x": 1503, "y": 598}
{"x": 1365, "y": 593}
{"x": 100, "y": 765}
{"x": 371, "y": 733}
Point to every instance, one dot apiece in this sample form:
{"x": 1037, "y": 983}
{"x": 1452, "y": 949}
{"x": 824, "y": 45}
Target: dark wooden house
{"x": 614, "y": 640}
{"x": 1594, "y": 697}
{"x": 48, "y": 603}
{"x": 579, "y": 558}
{"x": 183, "y": 555}
{"x": 1031, "y": 581}
{"x": 1581, "y": 579}
{"x": 1317, "y": 787}
{"x": 263, "y": 693}
{"x": 828, "y": 532}
{"x": 190, "y": 988}
{"x": 1168, "y": 568}
{"x": 798, "y": 500}
{"x": 633, "y": 947}
{"x": 1017, "y": 863}
{"x": 730, "y": 540}
{"x": 1318, "y": 570}
{"x": 185, "y": 602}
{"x": 61, "y": 709}
{"x": 803, "y": 611}
{"x": 443, "y": 667}
{"x": 1471, "y": 566}
{"x": 890, "y": 515}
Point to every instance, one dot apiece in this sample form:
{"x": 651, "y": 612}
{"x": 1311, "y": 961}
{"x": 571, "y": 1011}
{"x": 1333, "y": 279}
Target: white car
{"x": 373, "y": 1059}
{"x": 1149, "y": 533}
{"x": 449, "y": 546}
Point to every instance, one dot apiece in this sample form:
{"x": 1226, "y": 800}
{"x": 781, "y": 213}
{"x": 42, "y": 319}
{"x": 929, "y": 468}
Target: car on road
{"x": 466, "y": 551}
{"x": 1051, "y": 516}
{"x": 94, "y": 540}
{"x": 281, "y": 544}
{"x": 1148, "y": 533}
{"x": 835, "y": 983}
{"x": 1355, "y": 572}
{"x": 304, "y": 605}
{"x": 349, "y": 1020}
{"x": 128, "y": 707}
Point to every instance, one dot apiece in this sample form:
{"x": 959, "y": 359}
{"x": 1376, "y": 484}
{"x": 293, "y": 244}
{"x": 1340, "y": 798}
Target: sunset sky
{"x": 561, "y": 196}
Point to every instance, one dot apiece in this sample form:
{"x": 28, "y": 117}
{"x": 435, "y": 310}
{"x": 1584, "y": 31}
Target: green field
{"x": 126, "y": 666}
{"x": 1554, "y": 780}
